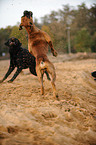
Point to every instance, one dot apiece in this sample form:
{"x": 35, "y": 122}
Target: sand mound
{"x": 28, "y": 118}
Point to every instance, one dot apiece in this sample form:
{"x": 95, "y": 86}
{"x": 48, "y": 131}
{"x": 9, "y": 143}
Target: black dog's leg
{"x": 33, "y": 71}
{"x": 7, "y": 74}
{"x": 15, "y": 75}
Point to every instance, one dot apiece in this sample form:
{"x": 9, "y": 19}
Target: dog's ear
{"x": 17, "y": 42}
{"x": 25, "y": 13}
{"x": 31, "y": 14}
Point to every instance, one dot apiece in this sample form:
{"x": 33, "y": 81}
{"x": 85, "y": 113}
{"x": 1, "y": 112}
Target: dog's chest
{"x": 36, "y": 35}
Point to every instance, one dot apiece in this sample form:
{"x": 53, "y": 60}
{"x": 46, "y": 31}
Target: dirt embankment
{"x": 28, "y": 118}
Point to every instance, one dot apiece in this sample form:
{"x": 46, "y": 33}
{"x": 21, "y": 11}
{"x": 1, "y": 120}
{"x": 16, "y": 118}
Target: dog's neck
{"x": 31, "y": 29}
{"x": 14, "y": 50}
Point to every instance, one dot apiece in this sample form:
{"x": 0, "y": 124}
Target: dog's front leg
{"x": 11, "y": 68}
{"x": 49, "y": 41}
{"x": 15, "y": 75}
{"x": 54, "y": 52}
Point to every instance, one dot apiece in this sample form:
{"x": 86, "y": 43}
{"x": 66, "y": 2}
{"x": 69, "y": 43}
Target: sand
{"x": 28, "y": 118}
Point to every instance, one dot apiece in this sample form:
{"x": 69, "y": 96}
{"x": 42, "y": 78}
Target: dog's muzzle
{"x": 12, "y": 43}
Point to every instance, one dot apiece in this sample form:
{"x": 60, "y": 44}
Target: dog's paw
{"x": 55, "y": 53}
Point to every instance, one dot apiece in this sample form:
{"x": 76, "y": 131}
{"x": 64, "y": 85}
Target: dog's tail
{"x": 44, "y": 68}
{"x": 42, "y": 65}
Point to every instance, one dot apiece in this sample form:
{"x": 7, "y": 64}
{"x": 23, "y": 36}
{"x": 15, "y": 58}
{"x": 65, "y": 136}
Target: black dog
{"x": 20, "y": 58}
{"x": 94, "y": 75}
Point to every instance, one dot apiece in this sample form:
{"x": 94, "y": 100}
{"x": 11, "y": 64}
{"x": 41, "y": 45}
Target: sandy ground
{"x": 28, "y": 118}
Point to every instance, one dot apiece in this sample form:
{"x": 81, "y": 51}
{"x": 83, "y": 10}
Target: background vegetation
{"x": 82, "y": 23}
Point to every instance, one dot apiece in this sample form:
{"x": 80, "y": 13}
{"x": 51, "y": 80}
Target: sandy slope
{"x": 27, "y": 118}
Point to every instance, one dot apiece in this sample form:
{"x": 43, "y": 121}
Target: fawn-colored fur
{"x": 38, "y": 42}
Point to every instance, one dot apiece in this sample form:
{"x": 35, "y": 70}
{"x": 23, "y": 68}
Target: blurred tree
{"x": 83, "y": 41}
{"x": 47, "y": 29}
{"x": 92, "y": 20}
{"x": 45, "y": 20}
{"x": 21, "y": 35}
{"x": 82, "y": 23}
{"x": 59, "y": 22}
{"x": 4, "y": 36}
{"x": 53, "y": 17}
{"x": 93, "y": 46}
{"x": 37, "y": 24}
{"x": 81, "y": 17}
{"x": 59, "y": 35}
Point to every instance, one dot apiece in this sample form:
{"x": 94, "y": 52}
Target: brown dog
{"x": 33, "y": 31}
{"x": 38, "y": 42}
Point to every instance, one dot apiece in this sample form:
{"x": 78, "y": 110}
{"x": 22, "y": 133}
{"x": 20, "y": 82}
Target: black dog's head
{"x": 13, "y": 42}
{"x": 26, "y": 19}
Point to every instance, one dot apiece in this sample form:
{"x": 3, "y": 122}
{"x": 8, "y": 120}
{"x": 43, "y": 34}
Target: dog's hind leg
{"x": 54, "y": 86}
{"x": 41, "y": 81}
{"x": 7, "y": 74}
{"x": 54, "y": 89}
{"x": 15, "y": 75}
{"x": 40, "y": 78}
{"x": 53, "y": 78}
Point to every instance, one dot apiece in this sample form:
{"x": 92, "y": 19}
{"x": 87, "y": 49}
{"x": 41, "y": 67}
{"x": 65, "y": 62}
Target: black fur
{"x": 27, "y": 14}
{"x": 94, "y": 74}
{"x": 20, "y": 58}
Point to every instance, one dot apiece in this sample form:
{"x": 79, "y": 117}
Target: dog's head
{"x": 13, "y": 42}
{"x": 26, "y": 20}
{"x": 28, "y": 14}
